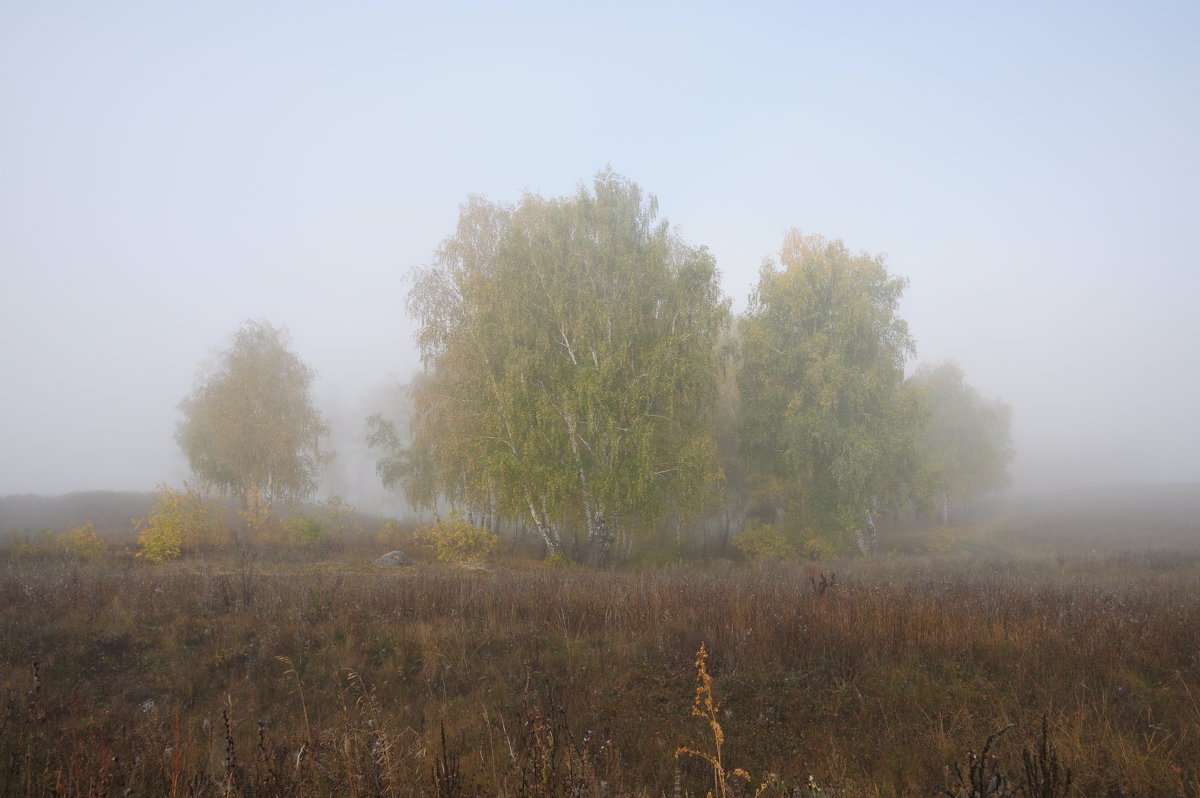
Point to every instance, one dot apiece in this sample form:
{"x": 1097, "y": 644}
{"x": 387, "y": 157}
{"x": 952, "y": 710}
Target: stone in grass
{"x": 394, "y": 558}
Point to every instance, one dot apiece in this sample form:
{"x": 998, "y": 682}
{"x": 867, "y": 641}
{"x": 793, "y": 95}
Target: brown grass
{"x": 272, "y": 676}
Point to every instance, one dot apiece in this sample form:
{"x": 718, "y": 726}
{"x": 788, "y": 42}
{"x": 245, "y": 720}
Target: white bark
{"x": 602, "y": 531}
{"x": 547, "y": 530}
{"x": 868, "y": 540}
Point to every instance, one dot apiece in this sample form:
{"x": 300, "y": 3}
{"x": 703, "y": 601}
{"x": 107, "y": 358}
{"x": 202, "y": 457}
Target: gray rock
{"x": 394, "y": 558}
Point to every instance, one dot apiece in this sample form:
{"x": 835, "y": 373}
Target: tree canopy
{"x": 571, "y": 355}
{"x": 965, "y": 443}
{"x": 827, "y": 425}
{"x": 582, "y": 372}
{"x": 250, "y": 428}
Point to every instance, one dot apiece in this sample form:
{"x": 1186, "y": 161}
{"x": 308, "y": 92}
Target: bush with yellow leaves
{"x": 765, "y": 542}
{"x": 456, "y": 539}
{"x": 83, "y": 542}
{"x": 180, "y": 521}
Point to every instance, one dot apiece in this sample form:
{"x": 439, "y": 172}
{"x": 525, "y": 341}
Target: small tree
{"x": 341, "y": 517}
{"x": 250, "y": 428}
{"x": 965, "y": 444}
{"x": 83, "y": 542}
{"x": 181, "y": 520}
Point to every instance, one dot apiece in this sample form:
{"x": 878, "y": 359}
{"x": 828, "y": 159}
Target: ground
{"x": 289, "y": 670}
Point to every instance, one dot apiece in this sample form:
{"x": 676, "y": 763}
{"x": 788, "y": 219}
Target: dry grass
{"x": 269, "y": 675}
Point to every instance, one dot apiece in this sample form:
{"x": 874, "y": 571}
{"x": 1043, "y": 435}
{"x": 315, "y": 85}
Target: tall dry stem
{"x": 291, "y": 671}
{"x": 704, "y": 705}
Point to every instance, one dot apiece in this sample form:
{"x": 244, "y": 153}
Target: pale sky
{"x": 170, "y": 170}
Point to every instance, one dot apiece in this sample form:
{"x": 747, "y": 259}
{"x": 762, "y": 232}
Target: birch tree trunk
{"x": 602, "y": 531}
{"x": 549, "y": 533}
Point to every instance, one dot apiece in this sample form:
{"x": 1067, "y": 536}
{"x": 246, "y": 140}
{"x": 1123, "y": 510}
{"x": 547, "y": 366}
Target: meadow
{"x": 1040, "y": 653}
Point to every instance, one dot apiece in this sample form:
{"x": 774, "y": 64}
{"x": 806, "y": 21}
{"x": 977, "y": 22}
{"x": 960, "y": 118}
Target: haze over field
{"x": 166, "y": 173}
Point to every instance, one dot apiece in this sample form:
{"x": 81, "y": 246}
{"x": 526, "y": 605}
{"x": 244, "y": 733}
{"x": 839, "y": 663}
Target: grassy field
{"x": 270, "y": 672}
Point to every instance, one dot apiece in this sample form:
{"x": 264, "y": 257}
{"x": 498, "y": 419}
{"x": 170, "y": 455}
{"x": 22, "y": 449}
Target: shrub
{"x": 304, "y": 529}
{"x": 159, "y": 541}
{"x": 82, "y": 541}
{"x": 457, "y": 540}
{"x": 769, "y": 542}
{"x": 765, "y": 542}
{"x": 341, "y": 517}
{"x": 44, "y": 541}
{"x": 179, "y": 521}
{"x": 393, "y": 533}
{"x": 941, "y": 541}
{"x": 821, "y": 548}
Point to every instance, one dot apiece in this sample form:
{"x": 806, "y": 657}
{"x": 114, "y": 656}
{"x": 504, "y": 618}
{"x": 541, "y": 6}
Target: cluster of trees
{"x": 583, "y": 371}
{"x": 584, "y": 376}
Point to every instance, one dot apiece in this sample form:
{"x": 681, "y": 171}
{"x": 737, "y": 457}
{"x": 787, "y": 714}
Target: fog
{"x": 168, "y": 172}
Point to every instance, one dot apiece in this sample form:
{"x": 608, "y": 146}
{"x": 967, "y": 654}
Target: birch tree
{"x": 571, "y": 355}
{"x": 965, "y": 443}
{"x": 827, "y": 426}
{"x": 250, "y": 428}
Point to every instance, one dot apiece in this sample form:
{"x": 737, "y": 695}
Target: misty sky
{"x": 170, "y": 170}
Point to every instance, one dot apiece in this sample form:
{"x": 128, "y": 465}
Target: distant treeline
{"x": 111, "y": 512}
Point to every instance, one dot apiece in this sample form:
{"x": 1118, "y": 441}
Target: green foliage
{"x": 393, "y": 534}
{"x": 251, "y": 428}
{"x": 823, "y": 547}
{"x": 571, "y": 348}
{"x": 304, "y": 529}
{"x": 558, "y": 560}
{"x": 581, "y": 373}
{"x": 80, "y": 542}
{"x": 158, "y": 545}
{"x": 457, "y": 540}
{"x": 340, "y": 517}
{"x": 765, "y": 542}
{"x": 336, "y": 520}
{"x": 43, "y": 541}
{"x": 180, "y": 521}
{"x": 395, "y": 466}
{"x": 965, "y": 444}
{"x": 771, "y": 542}
{"x": 827, "y": 426}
